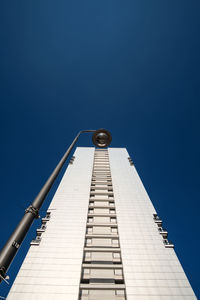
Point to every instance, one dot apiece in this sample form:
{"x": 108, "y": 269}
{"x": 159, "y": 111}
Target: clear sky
{"x": 129, "y": 66}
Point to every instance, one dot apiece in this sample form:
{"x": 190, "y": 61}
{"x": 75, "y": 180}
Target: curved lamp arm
{"x": 101, "y": 138}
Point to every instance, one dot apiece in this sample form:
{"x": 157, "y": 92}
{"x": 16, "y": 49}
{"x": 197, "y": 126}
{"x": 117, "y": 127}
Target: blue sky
{"x": 129, "y": 66}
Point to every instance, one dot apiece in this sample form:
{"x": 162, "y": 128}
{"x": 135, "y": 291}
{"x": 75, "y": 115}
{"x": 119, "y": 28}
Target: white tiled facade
{"x": 144, "y": 266}
{"x": 51, "y": 270}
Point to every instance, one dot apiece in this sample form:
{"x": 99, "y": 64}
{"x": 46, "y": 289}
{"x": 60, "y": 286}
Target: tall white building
{"x": 101, "y": 239}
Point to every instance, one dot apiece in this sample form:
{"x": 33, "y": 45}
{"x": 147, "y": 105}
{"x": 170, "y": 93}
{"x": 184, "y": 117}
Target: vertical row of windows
{"x": 102, "y": 271}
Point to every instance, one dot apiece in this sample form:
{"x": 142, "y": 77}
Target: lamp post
{"x": 101, "y": 138}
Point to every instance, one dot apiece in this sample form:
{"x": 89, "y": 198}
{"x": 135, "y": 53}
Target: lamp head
{"x": 101, "y": 138}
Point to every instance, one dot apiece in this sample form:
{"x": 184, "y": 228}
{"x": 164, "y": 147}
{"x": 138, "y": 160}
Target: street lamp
{"x": 101, "y": 138}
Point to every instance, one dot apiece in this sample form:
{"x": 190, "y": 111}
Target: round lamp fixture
{"x": 102, "y": 138}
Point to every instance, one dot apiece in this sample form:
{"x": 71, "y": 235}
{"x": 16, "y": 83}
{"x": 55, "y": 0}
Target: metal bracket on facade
{"x": 2, "y": 272}
{"x": 72, "y": 160}
{"x": 33, "y": 211}
{"x": 3, "y": 275}
{"x": 130, "y": 161}
{"x": 2, "y": 278}
{"x": 15, "y": 244}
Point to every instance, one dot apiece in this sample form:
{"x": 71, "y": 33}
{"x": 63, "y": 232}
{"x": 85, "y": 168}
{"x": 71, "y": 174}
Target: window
{"x": 113, "y": 220}
{"x": 89, "y": 230}
{"x": 114, "y": 230}
{"x": 115, "y": 242}
{"x": 89, "y": 241}
{"x": 118, "y": 272}
{"x": 116, "y": 255}
{"x": 87, "y": 254}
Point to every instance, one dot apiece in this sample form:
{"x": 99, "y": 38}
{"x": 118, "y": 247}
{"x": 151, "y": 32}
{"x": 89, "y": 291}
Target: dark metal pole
{"x": 14, "y": 242}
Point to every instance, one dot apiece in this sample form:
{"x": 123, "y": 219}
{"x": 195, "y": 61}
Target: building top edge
{"x": 100, "y": 148}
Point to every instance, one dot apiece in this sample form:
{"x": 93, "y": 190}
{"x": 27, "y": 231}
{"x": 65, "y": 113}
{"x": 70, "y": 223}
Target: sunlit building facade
{"x": 101, "y": 238}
